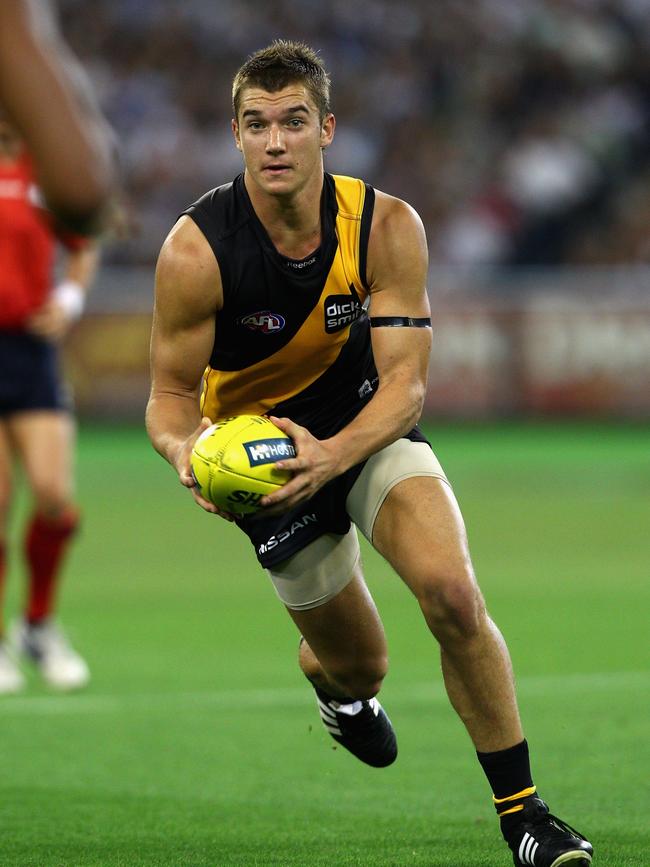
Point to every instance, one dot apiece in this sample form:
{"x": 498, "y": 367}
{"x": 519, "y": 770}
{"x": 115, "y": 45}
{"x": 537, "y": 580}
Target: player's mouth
{"x": 276, "y": 169}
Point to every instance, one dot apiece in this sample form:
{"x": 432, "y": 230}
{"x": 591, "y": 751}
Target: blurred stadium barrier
{"x": 548, "y": 342}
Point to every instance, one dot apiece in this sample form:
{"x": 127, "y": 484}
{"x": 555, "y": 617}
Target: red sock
{"x": 46, "y": 542}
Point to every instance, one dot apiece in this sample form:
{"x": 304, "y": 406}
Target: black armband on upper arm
{"x": 400, "y": 322}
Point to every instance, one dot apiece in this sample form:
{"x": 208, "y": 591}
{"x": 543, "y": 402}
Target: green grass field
{"x": 198, "y": 742}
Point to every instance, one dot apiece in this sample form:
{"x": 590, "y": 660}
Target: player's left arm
{"x": 401, "y": 343}
{"x": 68, "y": 298}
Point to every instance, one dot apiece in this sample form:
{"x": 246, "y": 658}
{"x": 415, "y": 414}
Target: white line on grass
{"x": 236, "y": 699}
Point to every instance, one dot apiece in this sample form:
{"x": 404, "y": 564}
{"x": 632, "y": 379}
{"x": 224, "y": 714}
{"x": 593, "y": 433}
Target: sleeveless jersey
{"x": 292, "y": 337}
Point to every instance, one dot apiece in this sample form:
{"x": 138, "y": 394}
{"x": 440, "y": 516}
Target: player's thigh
{"x": 420, "y": 531}
{"x": 404, "y": 505}
{"x": 6, "y": 459}
{"x": 44, "y": 440}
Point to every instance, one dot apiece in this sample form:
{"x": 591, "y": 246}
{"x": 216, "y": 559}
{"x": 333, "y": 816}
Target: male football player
{"x": 340, "y": 269}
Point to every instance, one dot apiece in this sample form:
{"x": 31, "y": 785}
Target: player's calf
{"x": 361, "y": 678}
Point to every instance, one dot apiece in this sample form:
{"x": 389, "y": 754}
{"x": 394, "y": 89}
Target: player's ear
{"x": 327, "y": 130}
{"x": 235, "y": 131}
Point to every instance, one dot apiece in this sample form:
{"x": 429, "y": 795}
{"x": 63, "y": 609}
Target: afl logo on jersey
{"x": 264, "y": 321}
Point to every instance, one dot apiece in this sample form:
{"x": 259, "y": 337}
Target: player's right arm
{"x": 188, "y": 296}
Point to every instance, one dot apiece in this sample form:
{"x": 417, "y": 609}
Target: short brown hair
{"x": 284, "y": 62}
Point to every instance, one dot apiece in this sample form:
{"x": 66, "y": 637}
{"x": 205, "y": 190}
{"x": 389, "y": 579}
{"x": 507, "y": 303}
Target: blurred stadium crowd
{"x": 519, "y": 129}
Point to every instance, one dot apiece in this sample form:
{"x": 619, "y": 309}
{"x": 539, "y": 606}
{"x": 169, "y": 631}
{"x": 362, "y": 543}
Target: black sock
{"x": 327, "y": 696}
{"x": 508, "y": 771}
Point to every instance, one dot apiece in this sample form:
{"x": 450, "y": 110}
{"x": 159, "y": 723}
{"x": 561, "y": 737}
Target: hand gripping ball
{"x": 233, "y": 462}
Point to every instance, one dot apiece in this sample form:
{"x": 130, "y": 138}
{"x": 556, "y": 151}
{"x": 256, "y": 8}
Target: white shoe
{"x": 11, "y": 677}
{"x": 49, "y": 649}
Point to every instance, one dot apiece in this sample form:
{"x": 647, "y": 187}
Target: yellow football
{"x": 233, "y": 462}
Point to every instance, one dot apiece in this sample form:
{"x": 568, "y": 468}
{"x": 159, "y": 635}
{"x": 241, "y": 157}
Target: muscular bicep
{"x": 188, "y": 296}
{"x": 397, "y": 260}
{"x": 397, "y": 273}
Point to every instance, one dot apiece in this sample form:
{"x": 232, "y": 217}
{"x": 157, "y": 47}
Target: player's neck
{"x": 292, "y": 221}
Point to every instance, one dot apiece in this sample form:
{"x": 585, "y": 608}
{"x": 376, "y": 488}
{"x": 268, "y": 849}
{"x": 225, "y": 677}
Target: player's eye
{"x": 296, "y": 122}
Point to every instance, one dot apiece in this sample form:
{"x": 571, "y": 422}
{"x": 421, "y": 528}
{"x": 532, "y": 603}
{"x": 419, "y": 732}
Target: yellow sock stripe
{"x": 523, "y": 794}
{"x": 511, "y": 810}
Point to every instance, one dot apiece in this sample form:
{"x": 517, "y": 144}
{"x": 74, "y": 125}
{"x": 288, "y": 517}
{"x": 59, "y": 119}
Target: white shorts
{"x": 323, "y": 568}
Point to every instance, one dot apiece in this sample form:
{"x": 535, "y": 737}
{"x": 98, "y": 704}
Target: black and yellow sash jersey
{"x": 292, "y": 338}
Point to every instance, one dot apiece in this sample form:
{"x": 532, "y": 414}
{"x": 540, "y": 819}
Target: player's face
{"x": 281, "y": 137}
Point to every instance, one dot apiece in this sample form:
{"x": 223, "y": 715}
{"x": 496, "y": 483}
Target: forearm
{"x": 393, "y": 411}
{"x": 170, "y": 421}
{"x": 82, "y": 266}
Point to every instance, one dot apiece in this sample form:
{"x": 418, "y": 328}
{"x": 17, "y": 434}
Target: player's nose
{"x": 275, "y": 143}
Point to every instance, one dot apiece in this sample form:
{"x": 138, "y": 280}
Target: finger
{"x": 293, "y": 465}
{"x": 186, "y": 478}
{"x": 301, "y": 439}
{"x": 204, "y": 424}
{"x": 294, "y": 488}
{"x": 205, "y": 504}
{"x": 283, "y": 507}
{"x": 287, "y": 426}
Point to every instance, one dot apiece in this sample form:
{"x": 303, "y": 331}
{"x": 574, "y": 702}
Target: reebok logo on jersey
{"x": 264, "y": 321}
{"x": 341, "y": 311}
{"x": 298, "y": 266}
{"x": 269, "y": 451}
